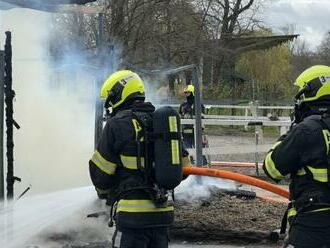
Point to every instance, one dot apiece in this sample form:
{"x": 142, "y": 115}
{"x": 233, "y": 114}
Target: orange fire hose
{"x": 233, "y": 164}
{"x": 237, "y": 177}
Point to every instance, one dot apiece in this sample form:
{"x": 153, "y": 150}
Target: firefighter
{"x": 117, "y": 172}
{"x": 187, "y": 111}
{"x": 303, "y": 153}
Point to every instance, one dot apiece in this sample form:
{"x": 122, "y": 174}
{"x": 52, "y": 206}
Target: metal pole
{"x": 253, "y": 90}
{"x": 98, "y": 119}
{"x": 2, "y": 75}
{"x": 198, "y": 101}
{"x": 198, "y": 118}
{"x": 98, "y": 102}
{"x": 256, "y": 155}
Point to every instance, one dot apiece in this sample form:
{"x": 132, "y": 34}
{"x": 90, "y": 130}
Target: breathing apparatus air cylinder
{"x": 167, "y": 148}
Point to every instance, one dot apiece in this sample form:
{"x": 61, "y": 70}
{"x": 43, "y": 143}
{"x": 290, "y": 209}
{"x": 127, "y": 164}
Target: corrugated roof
{"x": 237, "y": 45}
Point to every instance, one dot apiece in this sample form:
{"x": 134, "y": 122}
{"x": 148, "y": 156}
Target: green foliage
{"x": 217, "y": 92}
{"x": 227, "y": 92}
{"x": 271, "y": 71}
{"x": 224, "y": 111}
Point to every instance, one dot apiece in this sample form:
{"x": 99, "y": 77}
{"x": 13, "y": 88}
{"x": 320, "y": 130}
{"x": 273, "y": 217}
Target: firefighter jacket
{"x": 114, "y": 168}
{"x": 303, "y": 153}
{"x": 187, "y": 111}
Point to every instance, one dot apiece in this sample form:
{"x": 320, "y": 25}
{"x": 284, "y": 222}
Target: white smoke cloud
{"x": 55, "y": 110}
{"x": 196, "y": 188}
{"x": 35, "y": 220}
{"x": 55, "y": 107}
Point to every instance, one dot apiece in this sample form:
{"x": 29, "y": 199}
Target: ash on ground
{"x": 226, "y": 218}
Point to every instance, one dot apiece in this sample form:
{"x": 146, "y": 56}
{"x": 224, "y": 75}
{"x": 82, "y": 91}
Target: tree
{"x": 164, "y": 33}
{"x": 323, "y": 51}
{"x": 272, "y": 72}
{"x": 225, "y": 20}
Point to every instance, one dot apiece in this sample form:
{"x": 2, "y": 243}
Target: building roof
{"x": 243, "y": 44}
{"x": 238, "y": 45}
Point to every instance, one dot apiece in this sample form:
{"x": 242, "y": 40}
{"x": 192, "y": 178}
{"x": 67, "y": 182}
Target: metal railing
{"x": 283, "y": 123}
{"x": 224, "y": 106}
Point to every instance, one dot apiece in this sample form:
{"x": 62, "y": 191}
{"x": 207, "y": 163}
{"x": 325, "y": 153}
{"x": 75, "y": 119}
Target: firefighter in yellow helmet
{"x": 187, "y": 111}
{"x": 119, "y": 171}
{"x": 187, "y": 107}
{"x": 303, "y": 153}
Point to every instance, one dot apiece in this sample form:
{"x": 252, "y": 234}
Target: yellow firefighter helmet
{"x": 313, "y": 83}
{"x": 122, "y": 86}
{"x": 190, "y": 88}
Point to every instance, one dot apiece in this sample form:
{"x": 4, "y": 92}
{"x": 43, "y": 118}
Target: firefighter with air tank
{"x": 138, "y": 160}
{"x": 303, "y": 153}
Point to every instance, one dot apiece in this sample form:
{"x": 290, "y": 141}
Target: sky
{"x": 310, "y": 18}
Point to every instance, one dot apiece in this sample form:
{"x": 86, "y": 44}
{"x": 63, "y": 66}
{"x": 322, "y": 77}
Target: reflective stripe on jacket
{"x": 302, "y": 154}
{"x": 115, "y": 165}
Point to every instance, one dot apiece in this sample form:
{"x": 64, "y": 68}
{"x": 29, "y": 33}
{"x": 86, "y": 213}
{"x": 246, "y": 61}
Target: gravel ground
{"x": 227, "y": 219}
{"x": 224, "y": 219}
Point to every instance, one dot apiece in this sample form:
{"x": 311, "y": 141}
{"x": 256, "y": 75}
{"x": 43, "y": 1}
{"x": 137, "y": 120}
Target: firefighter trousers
{"x": 140, "y": 238}
{"x": 310, "y": 230}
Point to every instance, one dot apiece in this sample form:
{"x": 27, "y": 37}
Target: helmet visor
{"x": 115, "y": 94}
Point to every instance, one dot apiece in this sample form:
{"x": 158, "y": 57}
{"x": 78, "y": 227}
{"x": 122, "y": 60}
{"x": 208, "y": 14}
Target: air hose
{"x": 237, "y": 177}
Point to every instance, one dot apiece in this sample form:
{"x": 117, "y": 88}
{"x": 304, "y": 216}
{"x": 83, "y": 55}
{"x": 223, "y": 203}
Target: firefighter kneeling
{"x": 138, "y": 159}
{"x": 304, "y": 154}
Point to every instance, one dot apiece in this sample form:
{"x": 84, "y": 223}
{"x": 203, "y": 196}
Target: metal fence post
{"x": 98, "y": 102}
{"x": 198, "y": 118}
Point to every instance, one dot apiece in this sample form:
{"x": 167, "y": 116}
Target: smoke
{"x": 54, "y": 106}
{"x": 157, "y": 91}
{"x": 76, "y": 227}
{"x": 196, "y": 188}
{"x": 53, "y": 217}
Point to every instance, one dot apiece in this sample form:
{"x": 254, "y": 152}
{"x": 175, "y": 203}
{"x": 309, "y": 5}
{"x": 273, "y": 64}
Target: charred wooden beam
{"x": 2, "y": 75}
{"x": 10, "y": 122}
